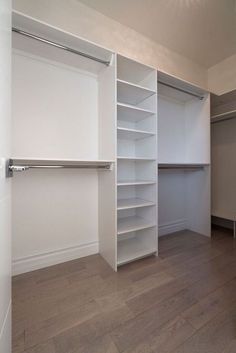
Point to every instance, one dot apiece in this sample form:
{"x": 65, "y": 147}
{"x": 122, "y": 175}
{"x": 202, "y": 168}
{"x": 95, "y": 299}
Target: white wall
{"x": 5, "y": 185}
{"x": 74, "y": 17}
{"x": 222, "y": 76}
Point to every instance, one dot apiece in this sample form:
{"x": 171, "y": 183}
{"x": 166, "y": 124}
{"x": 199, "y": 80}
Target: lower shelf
{"x": 132, "y": 249}
{"x": 125, "y": 204}
{"x": 132, "y": 224}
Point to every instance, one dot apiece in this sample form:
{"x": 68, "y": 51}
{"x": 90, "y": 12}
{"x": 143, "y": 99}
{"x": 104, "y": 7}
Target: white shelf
{"x": 132, "y": 249}
{"x": 41, "y": 29}
{"x": 135, "y": 182}
{"x": 136, "y": 158}
{"x": 125, "y": 204}
{"x": 130, "y": 93}
{"x": 132, "y": 224}
{"x": 131, "y": 113}
{"x": 132, "y": 134}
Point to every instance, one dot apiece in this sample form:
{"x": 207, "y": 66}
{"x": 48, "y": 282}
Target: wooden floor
{"x": 182, "y": 302}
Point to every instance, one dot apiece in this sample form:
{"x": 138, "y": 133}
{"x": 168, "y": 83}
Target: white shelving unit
{"x": 183, "y": 157}
{"x": 73, "y": 112}
{"x": 136, "y": 160}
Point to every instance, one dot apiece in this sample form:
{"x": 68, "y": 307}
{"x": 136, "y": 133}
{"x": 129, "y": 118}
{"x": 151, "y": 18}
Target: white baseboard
{"x": 35, "y": 262}
{"x": 5, "y": 332}
{"x": 172, "y": 227}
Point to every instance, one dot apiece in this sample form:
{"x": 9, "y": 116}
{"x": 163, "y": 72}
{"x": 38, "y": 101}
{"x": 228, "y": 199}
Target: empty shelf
{"x": 135, "y": 182}
{"x": 125, "y": 204}
{"x": 136, "y": 158}
{"x": 131, "y": 113}
{"x": 182, "y": 165}
{"x": 131, "y": 249}
{"x": 132, "y": 224}
{"x": 132, "y": 134}
{"x": 132, "y": 94}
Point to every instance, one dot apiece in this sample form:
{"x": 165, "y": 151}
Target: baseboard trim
{"x": 172, "y": 227}
{"x": 35, "y": 262}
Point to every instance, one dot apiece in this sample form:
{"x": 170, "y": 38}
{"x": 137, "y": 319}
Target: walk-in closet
{"x": 117, "y": 176}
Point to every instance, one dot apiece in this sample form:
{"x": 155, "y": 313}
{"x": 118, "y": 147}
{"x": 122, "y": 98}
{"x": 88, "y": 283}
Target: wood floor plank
{"x": 46, "y": 347}
{"x": 231, "y": 348}
{"x": 207, "y": 308}
{"x": 135, "y": 331}
{"x": 181, "y": 302}
{"x": 213, "y": 337}
{"x": 166, "y": 338}
{"x": 87, "y": 333}
{"x": 44, "y": 330}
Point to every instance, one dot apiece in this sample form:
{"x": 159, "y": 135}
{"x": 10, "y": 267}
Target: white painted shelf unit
{"x": 183, "y": 157}
{"x": 75, "y": 110}
{"x": 136, "y": 160}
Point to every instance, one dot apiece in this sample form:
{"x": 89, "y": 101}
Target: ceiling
{"x": 201, "y": 30}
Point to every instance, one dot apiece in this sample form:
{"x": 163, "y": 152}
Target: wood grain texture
{"x": 182, "y": 302}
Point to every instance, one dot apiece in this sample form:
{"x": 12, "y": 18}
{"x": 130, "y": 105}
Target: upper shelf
{"x": 136, "y": 73}
{"x": 52, "y": 34}
{"x": 131, "y": 113}
{"x": 133, "y": 94}
{"x": 135, "y": 182}
{"x": 177, "y": 89}
{"x": 132, "y": 134}
{"x": 141, "y": 159}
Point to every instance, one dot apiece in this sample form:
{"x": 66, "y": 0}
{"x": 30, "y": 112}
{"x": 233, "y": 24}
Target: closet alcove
{"x": 183, "y": 157}
{"x": 63, "y": 113}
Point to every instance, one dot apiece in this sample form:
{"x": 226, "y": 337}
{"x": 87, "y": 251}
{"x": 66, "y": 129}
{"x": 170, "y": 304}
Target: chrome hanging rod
{"x": 60, "y": 46}
{"x": 11, "y": 168}
{"x": 219, "y": 120}
{"x": 181, "y": 90}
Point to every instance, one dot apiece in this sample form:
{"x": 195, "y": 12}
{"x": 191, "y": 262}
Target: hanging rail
{"x": 223, "y": 116}
{"x": 19, "y": 165}
{"x": 181, "y": 90}
{"x": 60, "y": 46}
{"x": 182, "y": 166}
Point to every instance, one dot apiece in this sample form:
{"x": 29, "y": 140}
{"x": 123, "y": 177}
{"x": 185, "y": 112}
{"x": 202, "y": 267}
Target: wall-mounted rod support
{"x": 60, "y": 46}
{"x": 181, "y": 90}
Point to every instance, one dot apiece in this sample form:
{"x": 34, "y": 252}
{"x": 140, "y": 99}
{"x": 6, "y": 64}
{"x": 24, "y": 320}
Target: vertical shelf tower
{"x": 183, "y": 157}
{"x": 136, "y": 160}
